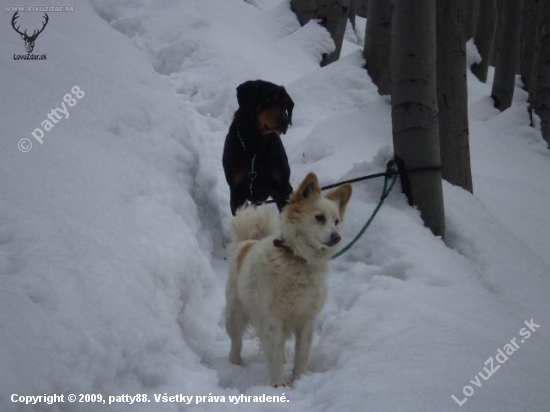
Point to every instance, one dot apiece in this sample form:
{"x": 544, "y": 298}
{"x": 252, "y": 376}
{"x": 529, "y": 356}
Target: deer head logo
{"x": 29, "y": 40}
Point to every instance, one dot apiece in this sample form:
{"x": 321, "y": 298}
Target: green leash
{"x": 385, "y": 192}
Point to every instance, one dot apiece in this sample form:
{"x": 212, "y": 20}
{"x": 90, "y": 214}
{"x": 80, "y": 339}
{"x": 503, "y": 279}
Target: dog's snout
{"x": 284, "y": 121}
{"x": 334, "y": 238}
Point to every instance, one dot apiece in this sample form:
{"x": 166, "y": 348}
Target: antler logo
{"x": 29, "y": 40}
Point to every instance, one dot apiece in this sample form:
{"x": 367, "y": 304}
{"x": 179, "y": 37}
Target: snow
{"x": 112, "y": 236}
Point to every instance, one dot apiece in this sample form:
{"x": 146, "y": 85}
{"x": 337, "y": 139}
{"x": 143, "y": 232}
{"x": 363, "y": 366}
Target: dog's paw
{"x": 283, "y": 384}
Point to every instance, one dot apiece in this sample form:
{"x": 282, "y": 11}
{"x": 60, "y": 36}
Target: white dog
{"x": 277, "y": 277}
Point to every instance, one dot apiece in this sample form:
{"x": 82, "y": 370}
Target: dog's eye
{"x": 336, "y": 222}
{"x": 321, "y": 219}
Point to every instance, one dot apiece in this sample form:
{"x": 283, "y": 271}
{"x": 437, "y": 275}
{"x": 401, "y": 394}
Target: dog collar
{"x": 280, "y": 243}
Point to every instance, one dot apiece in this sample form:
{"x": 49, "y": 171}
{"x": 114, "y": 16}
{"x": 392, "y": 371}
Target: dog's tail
{"x": 253, "y": 223}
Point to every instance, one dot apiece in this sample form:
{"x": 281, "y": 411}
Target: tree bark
{"x": 507, "y": 58}
{"x": 530, "y": 42}
{"x": 542, "y": 98}
{"x": 377, "y": 49}
{"x": 414, "y": 105}
{"x": 361, "y": 7}
{"x": 471, "y": 16}
{"x": 452, "y": 93}
{"x": 352, "y": 12}
{"x": 484, "y": 37}
{"x": 497, "y": 31}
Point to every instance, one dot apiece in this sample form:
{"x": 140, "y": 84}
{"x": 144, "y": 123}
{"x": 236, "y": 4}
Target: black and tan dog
{"x": 254, "y": 159}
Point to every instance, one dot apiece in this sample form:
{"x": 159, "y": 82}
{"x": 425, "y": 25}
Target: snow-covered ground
{"x": 112, "y": 239}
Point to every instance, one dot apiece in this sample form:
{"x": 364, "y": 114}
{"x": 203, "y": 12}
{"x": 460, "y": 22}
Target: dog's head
{"x": 269, "y": 103}
{"x": 311, "y": 220}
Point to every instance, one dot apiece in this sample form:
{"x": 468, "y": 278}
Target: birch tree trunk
{"x": 484, "y": 37}
{"x": 530, "y": 42}
{"x": 452, "y": 93}
{"x": 352, "y": 12}
{"x": 493, "y": 58}
{"x": 542, "y": 97}
{"x": 377, "y": 49}
{"x": 471, "y": 15}
{"x": 361, "y": 7}
{"x": 414, "y": 105}
{"x": 507, "y": 57}
{"x": 334, "y": 15}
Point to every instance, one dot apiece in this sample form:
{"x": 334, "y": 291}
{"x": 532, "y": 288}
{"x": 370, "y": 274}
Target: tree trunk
{"x": 497, "y": 31}
{"x": 452, "y": 94}
{"x": 352, "y": 12}
{"x": 414, "y": 105}
{"x": 507, "y": 58}
{"x": 542, "y": 98}
{"x": 361, "y": 7}
{"x": 334, "y": 16}
{"x": 530, "y": 42}
{"x": 377, "y": 49}
{"x": 305, "y": 10}
{"x": 484, "y": 37}
{"x": 471, "y": 16}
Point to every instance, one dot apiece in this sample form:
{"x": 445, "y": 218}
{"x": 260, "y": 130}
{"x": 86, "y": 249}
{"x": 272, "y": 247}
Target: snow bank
{"x": 103, "y": 253}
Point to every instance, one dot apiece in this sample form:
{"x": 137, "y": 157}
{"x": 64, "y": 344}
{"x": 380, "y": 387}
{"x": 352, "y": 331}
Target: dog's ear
{"x": 247, "y": 94}
{"x": 289, "y": 107}
{"x": 341, "y": 197}
{"x": 308, "y": 189}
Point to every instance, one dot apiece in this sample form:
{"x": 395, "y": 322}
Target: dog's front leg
{"x": 273, "y": 343}
{"x": 304, "y": 336}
